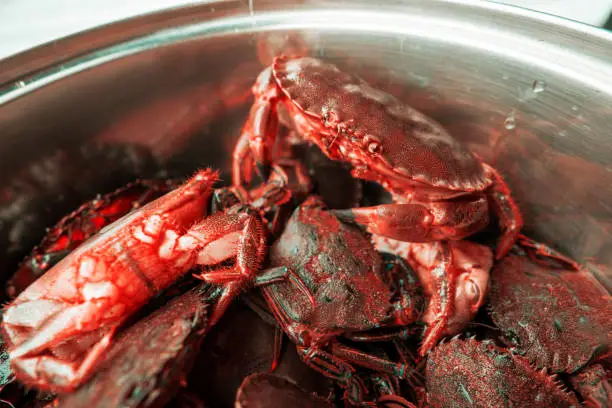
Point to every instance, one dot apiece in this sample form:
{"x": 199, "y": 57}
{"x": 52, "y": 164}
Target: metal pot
{"x": 528, "y": 92}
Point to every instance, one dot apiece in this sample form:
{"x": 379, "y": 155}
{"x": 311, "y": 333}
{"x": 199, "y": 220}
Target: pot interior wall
{"x": 186, "y": 100}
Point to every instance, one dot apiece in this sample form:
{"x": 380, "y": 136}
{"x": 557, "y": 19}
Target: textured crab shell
{"x": 470, "y": 373}
{"x": 264, "y": 390}
{"x": 80, "y": 225}
{"x": 414, "y": 145}
{"x": 562, "y": 319}
{"x": 340, "y": 267}
{"x": 145, "y": 366}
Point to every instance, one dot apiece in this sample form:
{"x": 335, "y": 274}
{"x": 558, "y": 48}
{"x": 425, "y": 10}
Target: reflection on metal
{"x": 468, "y": 64}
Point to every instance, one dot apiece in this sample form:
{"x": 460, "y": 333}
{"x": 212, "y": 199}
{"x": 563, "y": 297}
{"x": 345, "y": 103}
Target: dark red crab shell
{"x": 414, "y": 146}
{"x": 471, "y": 373}
{"x": 266, "y": 390}
{"x": 149, "y": 360}
{"x": 561, "y": 319}
{"x": 340, "y": 267}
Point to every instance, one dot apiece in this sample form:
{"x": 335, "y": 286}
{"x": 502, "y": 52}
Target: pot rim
{"x": 36, "y": 67}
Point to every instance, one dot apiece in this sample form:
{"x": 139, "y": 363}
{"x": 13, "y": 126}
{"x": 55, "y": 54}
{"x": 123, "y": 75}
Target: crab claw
{"x": 405, "y": 222}
{"x": 421, "y": 222}
{"x": 458, "y": 291}
{"x": 455, "y": 276}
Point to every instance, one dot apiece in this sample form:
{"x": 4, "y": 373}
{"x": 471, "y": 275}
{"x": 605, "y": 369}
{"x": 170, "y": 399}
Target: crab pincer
{"x": 455, "y": 277}
{"x": 72, "y": 230}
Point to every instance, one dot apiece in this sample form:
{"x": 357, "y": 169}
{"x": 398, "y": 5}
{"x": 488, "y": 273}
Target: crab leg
{"x": 507, "y": 211}
{"x": 220, "y": 231}
{"x": 421, "y": 222}
{"x": 534, "y": 249}
{"x": 443, "y": 296}
{"x": 45, "y": 367}
{"x": 330, "y": 364}
{"x": 259, "y": 132}
{"x": 371, "y": 361}
{"x": 398, "y": 333}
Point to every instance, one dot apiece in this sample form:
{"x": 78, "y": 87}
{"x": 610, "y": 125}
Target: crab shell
{"x": 340, "y": 267}
{"x": 265, "y": 390}
{"x": 562, "y": 319}
{"x": 373, "y": 130}
{"x": 470, "y": 373}
{"x": 147, "y": 363}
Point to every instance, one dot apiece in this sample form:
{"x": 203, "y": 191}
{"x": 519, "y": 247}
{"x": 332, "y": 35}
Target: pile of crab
{"x": 388, "y": 255}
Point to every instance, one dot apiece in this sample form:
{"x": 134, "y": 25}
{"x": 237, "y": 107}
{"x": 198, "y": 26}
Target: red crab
{"x": 471, "y": 373}
{"x": 151, "y": 356}
{"x": 353, "y": 294}
{"x": 453, "y": 302}
{"x": 82, "y": 224}
{"x": 442, "y": 190}
{"x": 60, "y": 326}
{"x": 554, "y": 312}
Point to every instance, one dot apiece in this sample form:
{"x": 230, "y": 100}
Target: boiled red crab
{"x": 441, "y": 190}
{"x": 352, "y": 295}
{"x": 472, "y": 373}
{"x": 557, "y": 316}
{"x": 60, "y": 326}
{"x": 453, "y": 302}
{"x": 147, "y": 363}
{"x": 82, "y": 224}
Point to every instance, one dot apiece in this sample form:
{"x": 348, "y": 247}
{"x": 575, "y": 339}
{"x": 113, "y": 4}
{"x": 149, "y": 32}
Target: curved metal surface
{"x": 528, "y": 92}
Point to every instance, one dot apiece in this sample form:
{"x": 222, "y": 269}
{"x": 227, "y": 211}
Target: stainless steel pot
{"x": 529, "y": 92}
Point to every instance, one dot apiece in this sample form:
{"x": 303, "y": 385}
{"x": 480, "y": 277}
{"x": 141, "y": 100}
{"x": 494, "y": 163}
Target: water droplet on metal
{"x": 562, "y": 133}
{"x": 575, "y": 108}
{"x": 538, "y": 86}
{"x": 510, "y": 122}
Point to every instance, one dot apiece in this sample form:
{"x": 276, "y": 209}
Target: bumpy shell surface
{"x": 147, "y": 363}
{"x": 411, "y": 142}
{"x": 339, "y": 265}
{"x": 562, "y": 319}
{"x": 474, "y": 374}
{"x": 262, "y": 390}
